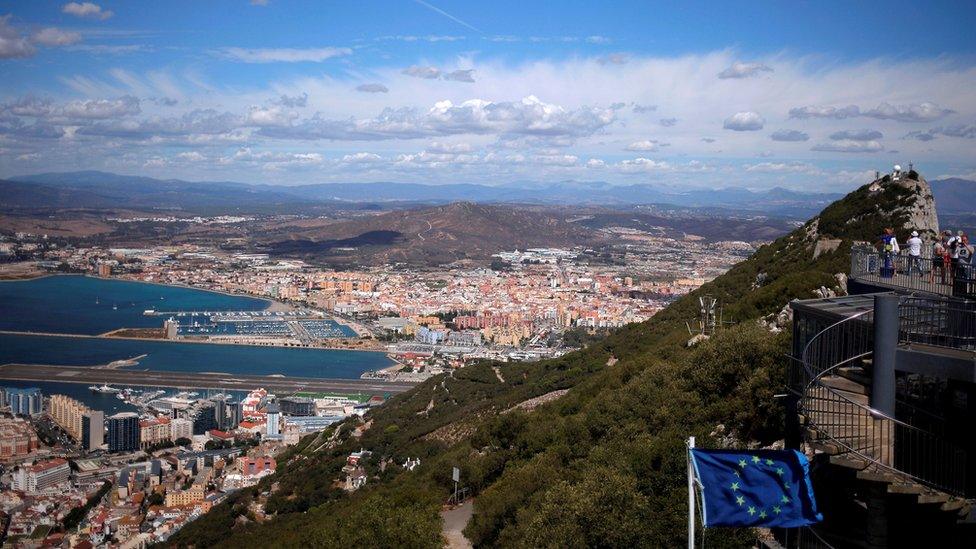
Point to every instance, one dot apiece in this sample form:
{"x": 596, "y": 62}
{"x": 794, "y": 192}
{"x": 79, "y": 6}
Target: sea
{"x": 74, "y": 304}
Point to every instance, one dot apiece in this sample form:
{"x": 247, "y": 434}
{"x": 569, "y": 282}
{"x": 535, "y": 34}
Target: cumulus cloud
{"x": 708, "y": 139}
{"x": 197, "y": 122}
{"x": 915, "y": 112}
{"x": 849, "y": 146}
{"x": 433, "y": 73}
{"x": 428, "y": 73}
{"x": 271, "y": 116}
{"x": 73, "y": 111}
{"x": 638, "y": 165}
{"x": 271, "y": 158}
{"x": 362, "y": 158}
{"x": 781, "y": 167}
{"x": 744, "y": 70}
{"x": 372, "y": 88}
{"x": 668, "y": 122}
{"x": 641, "y": 109}
{"x": 960, "y": 130}
{"x": 86, "y": 10}
{"x": 12, "y": 44}
{"x": 283, "y": 55}
{"x": 528, "y": 117}
{"x": 814, "y": 111}
{"x": 646, "y": 145}
{"x": 744, "y": 121}
{"x": 191, "y": 156}
{"x": 856, "y": 135}
{"x": 789, "y": 135}
{"x": 595, "y": 163}
{"x": 459, "y": 76}
{"x": 51, "y": 36}
{"x": 449, "y": 148}
{"x": 293, "y": 101}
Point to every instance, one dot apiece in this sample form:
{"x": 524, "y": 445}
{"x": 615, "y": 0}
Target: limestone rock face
{"x": 922, "y": 216}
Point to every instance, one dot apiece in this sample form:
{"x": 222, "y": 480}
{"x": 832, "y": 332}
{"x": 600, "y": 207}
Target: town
{"x": 69, "y": 473}
{"x": 525, "y": 305}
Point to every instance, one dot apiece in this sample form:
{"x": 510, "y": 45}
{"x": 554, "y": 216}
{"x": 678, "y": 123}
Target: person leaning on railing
{"x": 940, "y": 262}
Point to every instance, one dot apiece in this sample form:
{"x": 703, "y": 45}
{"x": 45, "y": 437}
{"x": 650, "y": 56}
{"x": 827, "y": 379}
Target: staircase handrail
{"x": 816, "y": 393}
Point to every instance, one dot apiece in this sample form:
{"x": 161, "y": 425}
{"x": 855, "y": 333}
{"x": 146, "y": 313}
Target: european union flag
{"x": 760, "y": 488}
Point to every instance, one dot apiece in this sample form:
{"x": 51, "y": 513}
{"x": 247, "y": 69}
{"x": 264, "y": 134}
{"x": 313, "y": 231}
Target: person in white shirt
{"x": 914, "y": 254}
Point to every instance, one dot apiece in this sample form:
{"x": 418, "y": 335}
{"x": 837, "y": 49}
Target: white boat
{"x": 105, "y": 388}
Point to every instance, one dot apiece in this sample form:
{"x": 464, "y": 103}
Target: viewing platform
{"x": 872, "y": 271}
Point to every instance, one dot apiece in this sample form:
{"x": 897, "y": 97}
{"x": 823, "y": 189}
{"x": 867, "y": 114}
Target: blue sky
{"x": 702, "y": 95}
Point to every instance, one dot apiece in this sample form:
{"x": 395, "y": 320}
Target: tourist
{"x": 965, "y": 264}
{"x": 952, "y": 244}
{"x": 889, "y": 249}
{"x": 940, "y": 262}
{"x": 914, "y": 254}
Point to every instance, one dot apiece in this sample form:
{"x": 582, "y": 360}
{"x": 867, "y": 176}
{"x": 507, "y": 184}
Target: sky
{"x": 804, "y": 95}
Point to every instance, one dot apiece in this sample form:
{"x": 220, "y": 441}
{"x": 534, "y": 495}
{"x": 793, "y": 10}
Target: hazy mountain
{"x": 954, "y": 195}
{"x": 440, "y": 234}
{"x": 123, "y": 191}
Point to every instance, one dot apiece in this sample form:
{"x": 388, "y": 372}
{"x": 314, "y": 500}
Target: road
{"x": 194, "y": 380}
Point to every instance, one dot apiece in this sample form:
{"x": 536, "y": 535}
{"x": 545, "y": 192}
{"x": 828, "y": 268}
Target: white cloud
{"x": 789, "y": 135}
{"x": 849, "y": 146}
{"x": 814, "y": 111}
{"x": 595, "y": 163}
{"x": 638, "y": 165}
{"x": 191, "y": 156}
{"x": 12, "y": 44}
{"x": 283, "y": 55}
{"x": 459, "y": 76}
{"x": 429, "y": 73}
{"x": 915, "y": 112}
{"x": 744, "y": 70}
{"x": 857, "y": 135}
{"x": 646, "y": 145}
{"x": 781, "y": 167}
{"x": 270, "y": 116}
{"x": 372, "y": 88}
{"x": 744, "y": 121}
{"x": 51, "y": 36}
{"x": 362, "y": 158}
{"x": 528, "y": 117}
{"x": 86, "y": 10}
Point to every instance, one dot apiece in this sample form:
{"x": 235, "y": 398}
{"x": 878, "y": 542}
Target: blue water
{"x": 78, "y": 304}
{"x": 190, "y": 357}
{"x": 108, "y": 403}
{"x": 67, "y": 304}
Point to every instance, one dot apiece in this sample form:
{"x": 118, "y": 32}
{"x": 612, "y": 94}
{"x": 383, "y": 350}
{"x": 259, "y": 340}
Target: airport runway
{"x": 187, "y": 380}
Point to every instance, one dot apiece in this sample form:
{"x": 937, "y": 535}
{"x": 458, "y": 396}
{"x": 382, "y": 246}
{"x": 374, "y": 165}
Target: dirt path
{"x": 454, "y": 522}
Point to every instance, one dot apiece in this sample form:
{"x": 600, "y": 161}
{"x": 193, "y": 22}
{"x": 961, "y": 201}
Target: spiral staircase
{"x": 832, "y": 380}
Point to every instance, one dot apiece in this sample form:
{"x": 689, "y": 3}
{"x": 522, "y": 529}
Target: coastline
{"x": 197, "y": 342}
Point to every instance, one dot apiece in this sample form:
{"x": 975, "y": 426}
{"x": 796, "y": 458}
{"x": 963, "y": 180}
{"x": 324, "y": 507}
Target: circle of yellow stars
{"x": 751, "y": 509}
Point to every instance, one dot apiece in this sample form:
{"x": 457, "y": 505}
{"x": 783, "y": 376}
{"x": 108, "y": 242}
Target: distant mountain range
{"x": 92, "y": 189}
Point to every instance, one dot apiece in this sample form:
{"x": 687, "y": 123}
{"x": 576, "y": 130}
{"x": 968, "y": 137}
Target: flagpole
{"x": 691, "y": 496}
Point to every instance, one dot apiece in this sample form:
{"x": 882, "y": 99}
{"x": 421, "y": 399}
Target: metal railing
{"x": 923, "y": 273}
{"x": 847, "y": 421}
{"x": 938, "y": 322}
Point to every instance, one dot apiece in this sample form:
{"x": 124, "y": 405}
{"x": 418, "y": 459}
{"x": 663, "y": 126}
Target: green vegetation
{"x": 603, "y": 465}
{"x": 78, "y": 514}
